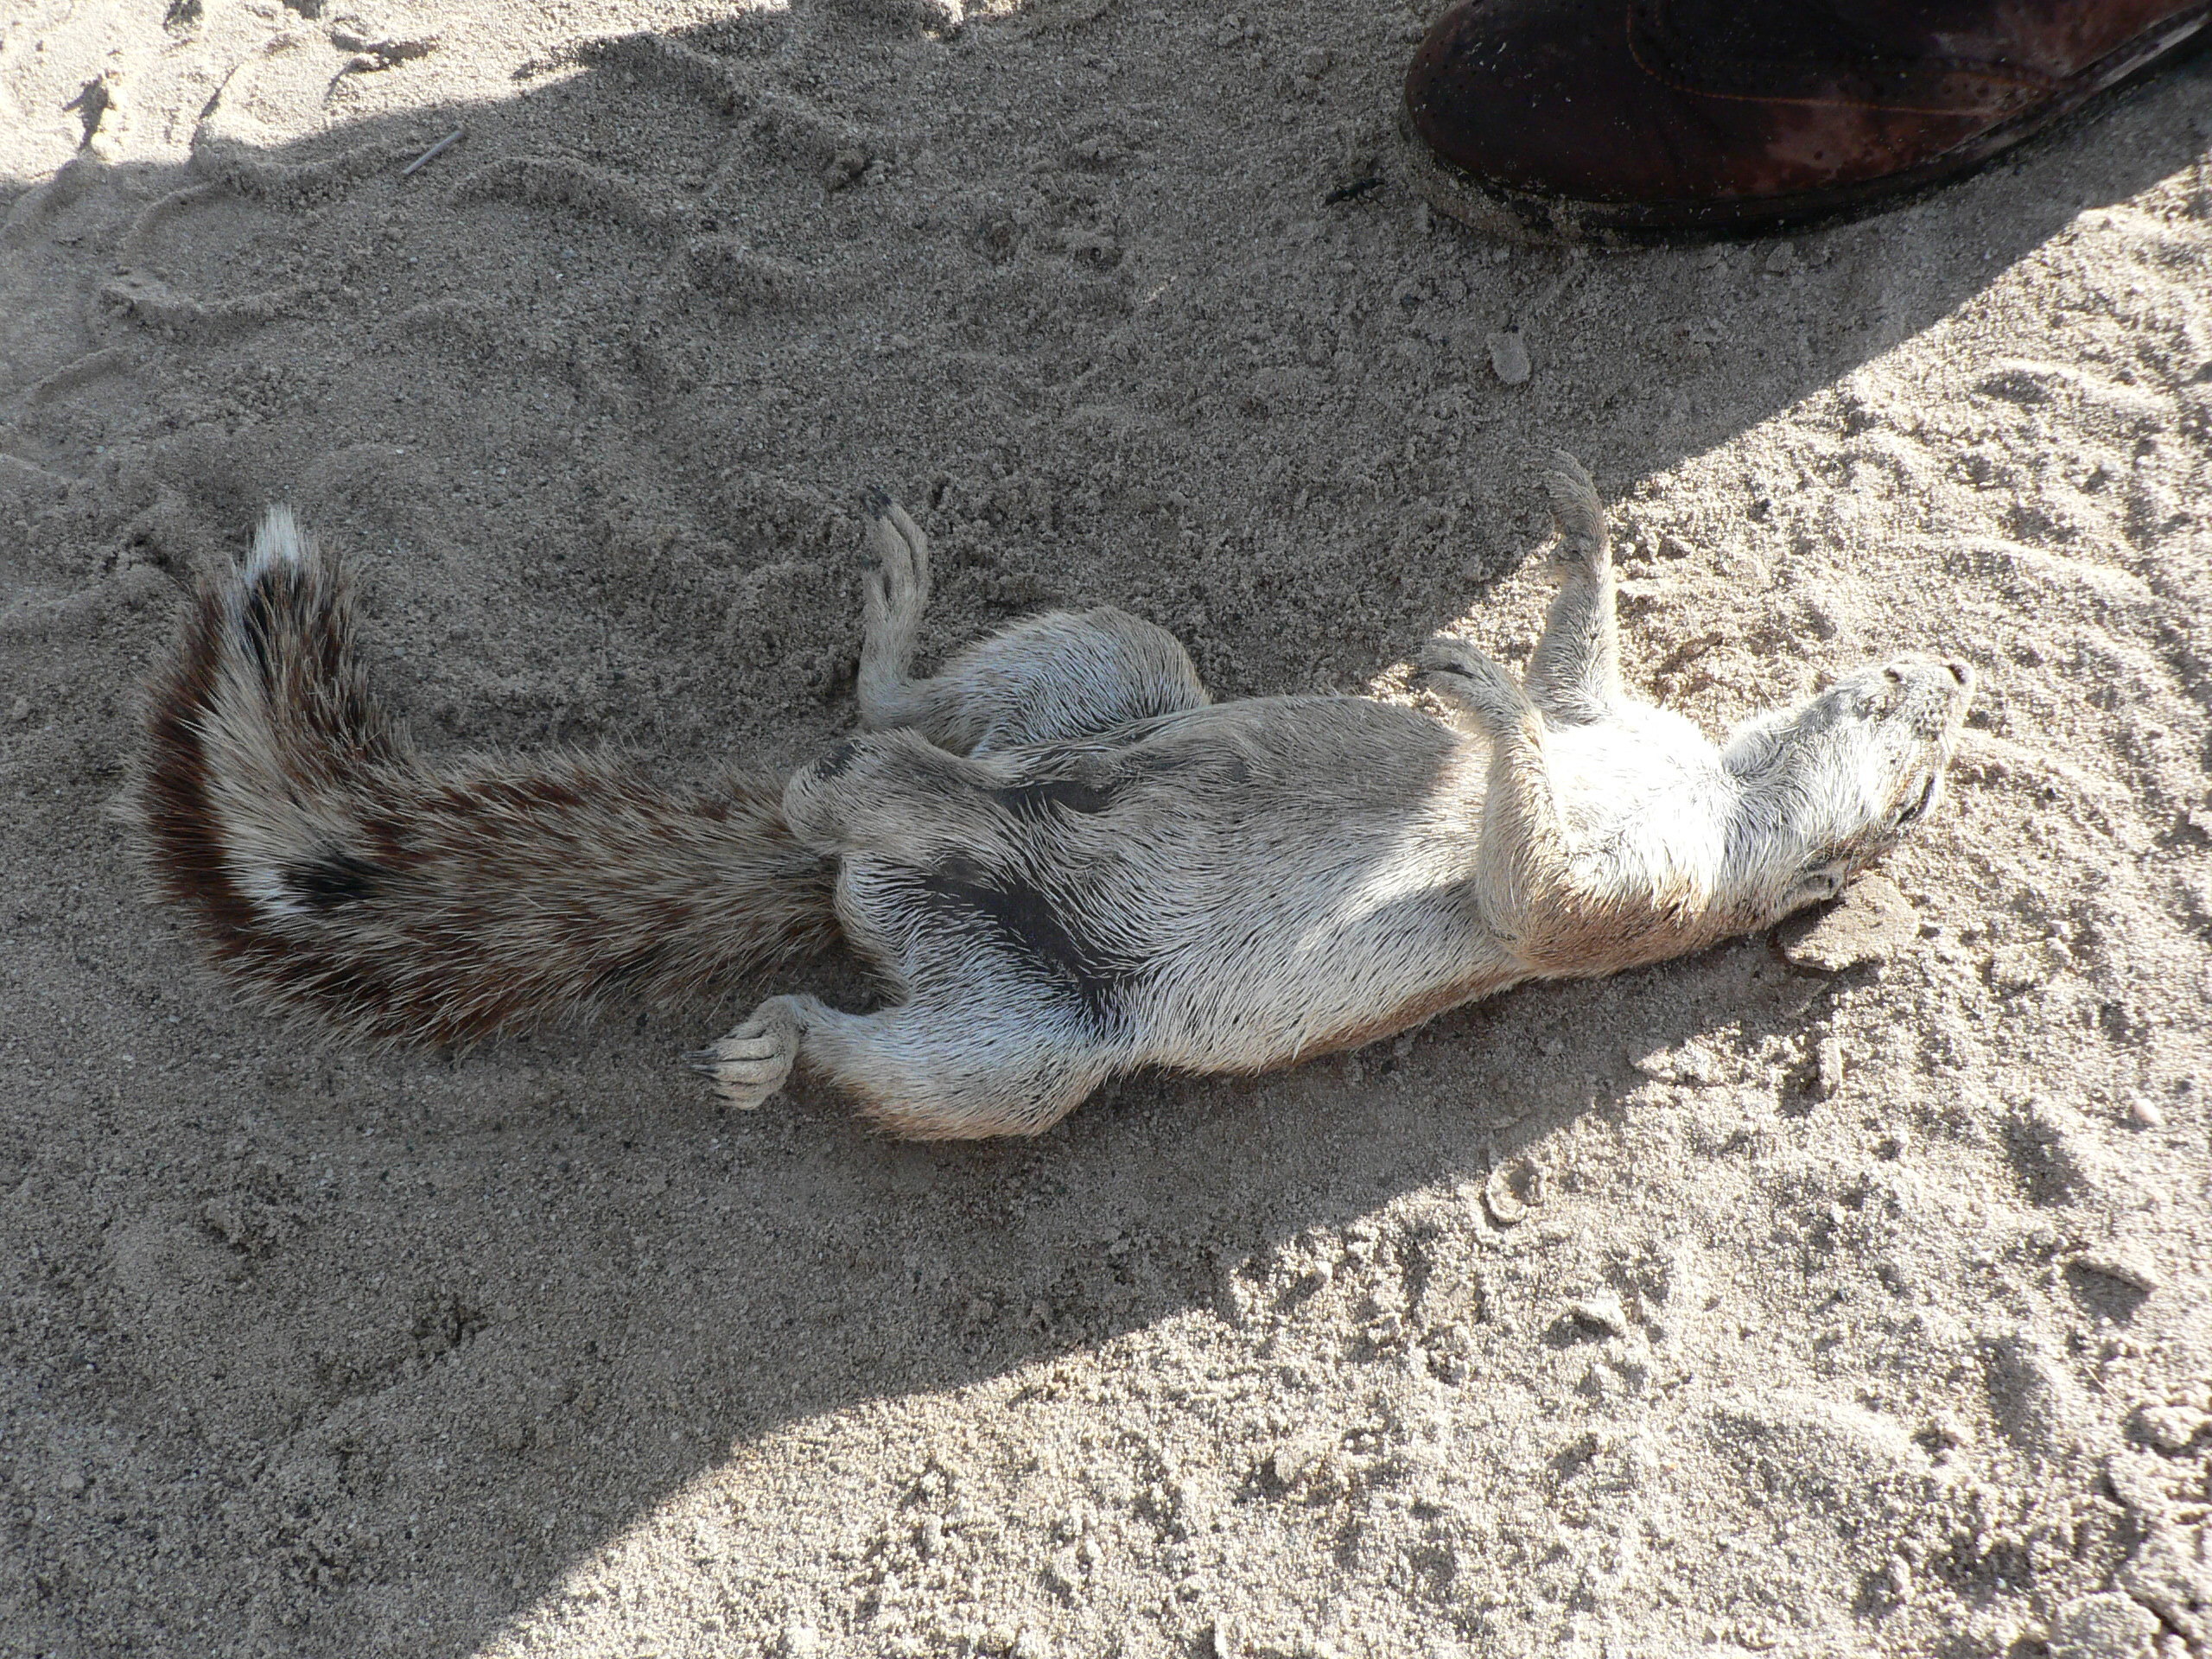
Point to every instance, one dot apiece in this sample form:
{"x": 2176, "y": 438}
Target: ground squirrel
{"x": 1063, "y": 860}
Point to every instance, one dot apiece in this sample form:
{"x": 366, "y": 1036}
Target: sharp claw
{"x": 879, "y": 501}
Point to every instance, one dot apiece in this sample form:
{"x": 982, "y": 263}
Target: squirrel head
{"x": 1826, "y": 787}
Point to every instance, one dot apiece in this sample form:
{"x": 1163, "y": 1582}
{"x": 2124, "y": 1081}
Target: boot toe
{"x": 1704, "y": 114}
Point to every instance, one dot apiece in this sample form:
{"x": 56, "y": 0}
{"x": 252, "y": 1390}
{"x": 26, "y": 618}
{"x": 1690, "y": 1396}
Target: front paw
{"x": 1466, "y": 677}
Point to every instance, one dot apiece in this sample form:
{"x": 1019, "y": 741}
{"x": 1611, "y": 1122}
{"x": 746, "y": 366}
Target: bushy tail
{"x": 338, "y": 873}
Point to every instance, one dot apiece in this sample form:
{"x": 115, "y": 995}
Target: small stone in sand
{"x": 1827, "y": 1068}
{"x": 1509, "y": 356}
{"x": 1512, "y": 1189}
{"x": 2123, "y": 1264}
{"x": 2170, "y": 1429}
{"x": 1602, "y": 1312}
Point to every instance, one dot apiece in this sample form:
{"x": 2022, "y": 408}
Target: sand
{"x": 1826, "y": 1296}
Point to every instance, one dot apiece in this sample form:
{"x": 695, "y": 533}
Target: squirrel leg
{"x": 927, "y": 1073}
{"x": 921, "y": 1072}
{"x": 893, "y": 595}
{"x": 1048, "y": 679}
{"x": 1526, "y": 880}
{"x": 895, "y": 792}
{"x": 1575, "y": 675}
{"x": 1061, "y": 677}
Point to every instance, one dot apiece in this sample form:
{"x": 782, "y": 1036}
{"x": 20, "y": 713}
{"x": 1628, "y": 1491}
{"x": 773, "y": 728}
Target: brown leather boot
{"x": 1631, "y": 120}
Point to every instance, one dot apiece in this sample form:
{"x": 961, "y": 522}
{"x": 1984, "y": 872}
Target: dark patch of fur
{"x": 1023, "y": 918}
{"x": 176, "y": 809}
{"x": 335, "y": 878}
{"x": 837, "y": 762}
{"x": 257, "y": 626}
{"x": 1029, "y": 800}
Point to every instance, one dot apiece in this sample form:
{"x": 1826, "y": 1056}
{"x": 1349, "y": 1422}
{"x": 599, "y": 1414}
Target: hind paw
{"x": 1577, "y": 512}
{"x": 752, "y": 1065}
{"x": 897, "y": 589}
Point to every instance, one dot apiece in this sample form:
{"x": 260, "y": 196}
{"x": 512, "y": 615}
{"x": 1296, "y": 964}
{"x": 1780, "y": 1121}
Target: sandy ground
{"x": 1851, "y": 1311}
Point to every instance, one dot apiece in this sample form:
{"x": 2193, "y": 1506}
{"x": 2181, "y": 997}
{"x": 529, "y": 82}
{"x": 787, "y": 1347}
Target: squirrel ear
{"x": 1814, "y": 887}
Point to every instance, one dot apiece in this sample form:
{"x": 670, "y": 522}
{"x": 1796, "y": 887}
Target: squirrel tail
{"x": 336, "y": 872}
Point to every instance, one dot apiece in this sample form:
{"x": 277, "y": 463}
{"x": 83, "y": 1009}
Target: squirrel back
{"x": 320, "y": 858}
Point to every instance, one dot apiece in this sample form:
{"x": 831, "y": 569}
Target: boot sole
{"x": 1538, "y": 221}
